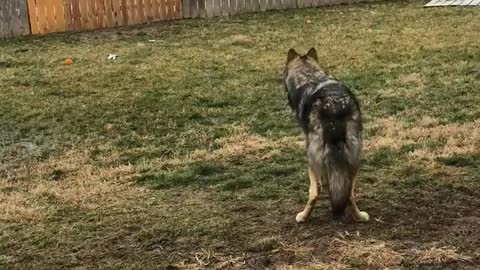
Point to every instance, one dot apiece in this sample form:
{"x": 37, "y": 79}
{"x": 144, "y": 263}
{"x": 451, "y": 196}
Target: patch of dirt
{"x": 420, "y": 230}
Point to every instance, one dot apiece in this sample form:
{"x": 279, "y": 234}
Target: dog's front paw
{"x": 301, "y": 217}
{"x": 363, "y": 216}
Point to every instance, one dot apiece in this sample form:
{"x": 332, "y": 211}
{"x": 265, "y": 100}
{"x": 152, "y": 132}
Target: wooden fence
{"x": 13, "y": 18}
{"x": 210, "y": 8}
{"x": 74, "y": 15}
{"x": 21, "y": 17}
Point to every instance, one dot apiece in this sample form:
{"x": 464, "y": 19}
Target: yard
{"x": 183, "y": 154}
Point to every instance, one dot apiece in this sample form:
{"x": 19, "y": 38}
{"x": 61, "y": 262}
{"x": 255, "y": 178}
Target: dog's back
{"x": 330, "y": 117}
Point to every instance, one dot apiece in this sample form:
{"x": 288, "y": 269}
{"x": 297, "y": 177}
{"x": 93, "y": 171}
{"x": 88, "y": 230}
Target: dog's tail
{"x": 338, "y": 169}
{"x": 336, "y": 108}
{"x": 339, "y": 178}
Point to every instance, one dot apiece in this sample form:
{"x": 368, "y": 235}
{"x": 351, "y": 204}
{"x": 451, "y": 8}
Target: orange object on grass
{"x": 68, "y": 61}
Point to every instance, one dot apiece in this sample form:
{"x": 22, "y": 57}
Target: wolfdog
{"x": 330, "y": 117}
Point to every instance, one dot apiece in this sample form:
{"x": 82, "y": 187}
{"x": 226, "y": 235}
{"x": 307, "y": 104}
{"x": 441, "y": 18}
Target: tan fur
{"x": 312, "y": 196}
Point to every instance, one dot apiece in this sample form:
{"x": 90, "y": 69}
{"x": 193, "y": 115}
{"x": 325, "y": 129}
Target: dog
{"x": 330, "y": 117}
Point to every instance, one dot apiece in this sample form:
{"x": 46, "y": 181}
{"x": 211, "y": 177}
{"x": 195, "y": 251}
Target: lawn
{"x": 183, "y": 153}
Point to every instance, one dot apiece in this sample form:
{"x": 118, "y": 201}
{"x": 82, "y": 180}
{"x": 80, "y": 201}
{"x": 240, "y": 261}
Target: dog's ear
{"x": 312, "y": 53}
{"x": 292, "y": 54}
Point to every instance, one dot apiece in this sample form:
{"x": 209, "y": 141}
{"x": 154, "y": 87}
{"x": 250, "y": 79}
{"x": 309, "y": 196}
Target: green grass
{"x": 183, "y": 152}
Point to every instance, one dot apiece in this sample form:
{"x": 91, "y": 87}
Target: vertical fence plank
{"x": 247, "y": 6}
{"x": 120, "y": 12}
{"x": 125, "y": 11}
{"x": 225, "y": 7}
{"x": 255, "y": 5}
{"x": 270, "y": 4}
{"x": 132, "y": 16}
{"x": 67, "y": 9}
{"x": 273, "y": 4}
{"x": 93, "y": 7}
{"x": 217, "y": 7}
{"x": 293, "y": 3}
{"x": 23, "y": 18}
{"x": 131, "y": 8}
{"x": 76, "y": 19}
{"x": 49, "y": 16}
{"x": 8, "y": 9}
{"x": 278, "y": 4}
{"x": 14, "y": 25}
{"x": 100, "y": 9}
{"x": 208, "y": 8}
{"x": 240, "y": 6}
{"x": 167, "y": 9}
{"x": 115, "y": 12}
{"x": 172, "y": 6}
{"x": 233, "y": 7}
{"x": 162, "y": 9}
{"x": 87, "y": 14}
{"x": 178, "y": 9}
{"x": 108, "y": 10}
{"x": 83, "y": 9}
{"x": 194, "y": 8}
{"x": 41, "y": 14}
{"x": 3, "y": 21}
{"x": 201, "y": 8}
{"x": 186, "y": 8}
{"x": 92, "y": 14}
{"x": 140, "y": 10}
{"x": 32, "y": 13}
{"x": 156, "y": 10}
{"x": 148, "y": 5}
{"x": 59, "y": 19}
{"x": 134, "y": 10}
{"x": 177, "y": 6}
{"x": 14, "y": 18}
{"x": 263, "y": 5}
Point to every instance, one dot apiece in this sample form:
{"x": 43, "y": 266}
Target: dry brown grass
{"x": 71, "y": 178}
{"x": 411, "y": 85}
{"x": 439, "y": 255}
{"x": 241, "y": 143}
{"x": 374, "y": 254}
{"x": 317, "y": 266}
{"x": 207, "y": 259}
{"x": 389, "y": 255}
{"x": 458, "y": 139}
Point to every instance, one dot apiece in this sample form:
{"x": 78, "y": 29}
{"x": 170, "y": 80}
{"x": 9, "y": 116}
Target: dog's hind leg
{"x": 312, "y": 196}
{"x": 357, "y": 214}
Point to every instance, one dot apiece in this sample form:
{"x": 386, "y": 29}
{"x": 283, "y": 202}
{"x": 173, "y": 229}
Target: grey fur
{"x": 331, "y": 119}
